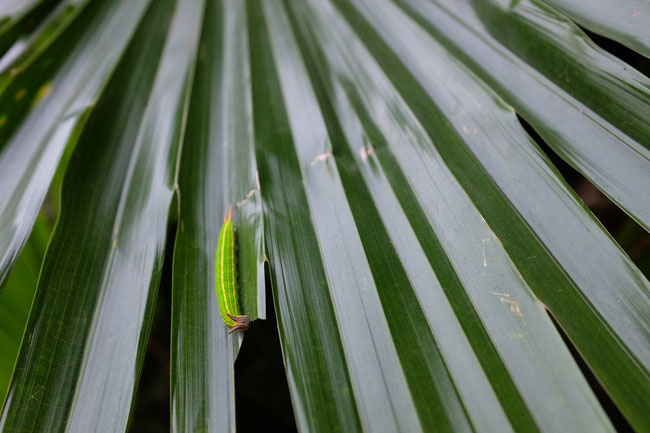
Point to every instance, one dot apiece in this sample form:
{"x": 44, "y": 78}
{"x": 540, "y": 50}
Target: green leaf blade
{"x": 624, "y": 21}
{"x": 16, "y": 18}
{"x": 563, "y": 53}
{"x": 16, "y": 299}
{"x": 417, "y": 237}
{"x": 302, "y": 303}
{"x": 354, "y": 260}
{"x": 611, "y": 325}
{"x": 48, "y": 102}
{"x": 79, "y": 366}
{"x": 613, "y": 161}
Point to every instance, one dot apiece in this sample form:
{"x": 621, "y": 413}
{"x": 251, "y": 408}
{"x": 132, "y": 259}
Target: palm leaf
{"x": 213, "y": 176}
{"x": 48, "y": 96}
{"x": 623, "y": 21}
{"x": 114, "y": 266}
{"x": 420, "y": 243}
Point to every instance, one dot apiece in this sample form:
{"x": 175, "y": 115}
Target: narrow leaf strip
{"x": 317, "y": 373}
{"x": 625, "y": 21}
{"x": 233, "y": 115}
{"x": 218, "y": 171}
{"x": 16, "y": 299}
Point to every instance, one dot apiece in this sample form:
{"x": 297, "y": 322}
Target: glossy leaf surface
{"x": 91, "y": 315}
{"x": 218, "y": 170}
{"x": 311, "y": 127}
{"x": 625, "y": 21}
{"x": 375, "y": 153}
{"x": 612, "y": 160}
{"x": 44, "y": 102}
{"x": 549, "y": 257}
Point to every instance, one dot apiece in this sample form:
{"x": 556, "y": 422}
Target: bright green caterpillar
{"x": 226, "y": 278}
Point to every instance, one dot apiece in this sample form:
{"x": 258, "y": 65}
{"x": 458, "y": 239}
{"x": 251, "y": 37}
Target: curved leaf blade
{"x": 562, "y": 52}
{"x": 88, "y": 328}
{"x": 48, "y": 100}
{"x": 625, "y": 21}
{"x": 614, "y": 162}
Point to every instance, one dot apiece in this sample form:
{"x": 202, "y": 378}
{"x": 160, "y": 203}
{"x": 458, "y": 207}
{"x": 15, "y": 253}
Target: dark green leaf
{"x": 613, "y": 161}
{"x": 418, "y": 238}
{"x": 599, "y": 297}
{"x": 218, "y": 171}
{"x": 376, "y": 263}
{"x": 88, "y": 328}
{"x": 18, "y": 17}
{"x": 16, "y": 299}
{"x": 44, "y": 103}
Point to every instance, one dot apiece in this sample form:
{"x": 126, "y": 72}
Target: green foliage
{"x": 392, "y": 168}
